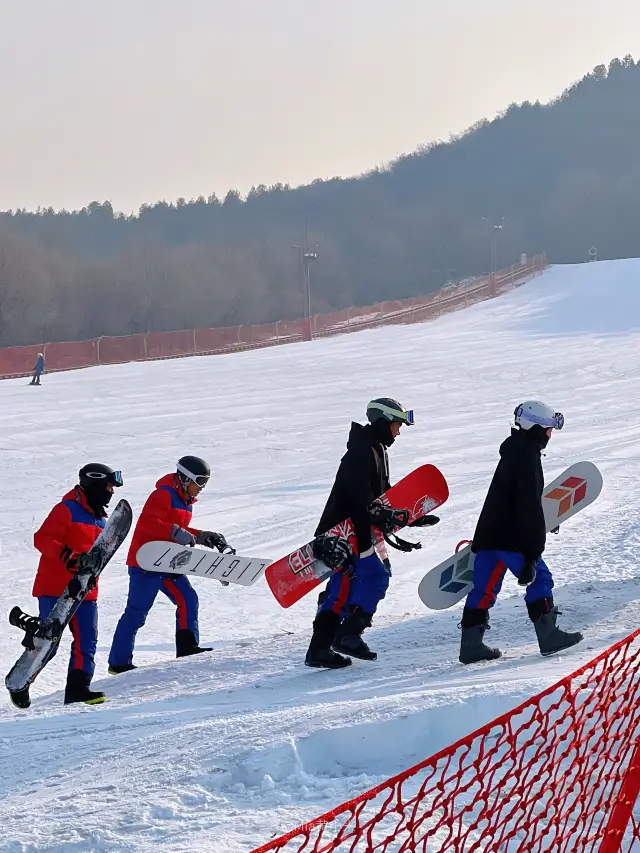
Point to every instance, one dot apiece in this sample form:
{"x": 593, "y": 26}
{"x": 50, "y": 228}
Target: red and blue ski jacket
{"x": 72, "y": 524}
{"x": 166, "y": 506}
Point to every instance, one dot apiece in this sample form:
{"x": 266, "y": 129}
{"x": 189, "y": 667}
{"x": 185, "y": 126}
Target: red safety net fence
{"x": 559, "y": 773}
{"x": 19, "y": 361}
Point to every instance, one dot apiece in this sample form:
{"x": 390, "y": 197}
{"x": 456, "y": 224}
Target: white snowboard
{"x": 172, "y": 559}
{"x": 568, "y": 494}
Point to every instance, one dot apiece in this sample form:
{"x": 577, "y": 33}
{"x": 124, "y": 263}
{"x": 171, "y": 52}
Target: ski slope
{"x": 222, "y": 752}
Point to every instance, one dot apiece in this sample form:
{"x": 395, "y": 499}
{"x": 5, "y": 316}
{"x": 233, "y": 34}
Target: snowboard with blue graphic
{"x": 568, "y": 494}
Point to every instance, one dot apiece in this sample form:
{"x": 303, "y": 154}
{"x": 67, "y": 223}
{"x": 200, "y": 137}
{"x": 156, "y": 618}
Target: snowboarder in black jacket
{"x": 511, "y": 534}
{"x": 347, "y": 605}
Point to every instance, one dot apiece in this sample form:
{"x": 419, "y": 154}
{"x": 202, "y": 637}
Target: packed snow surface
{"x": 224, "y": 751}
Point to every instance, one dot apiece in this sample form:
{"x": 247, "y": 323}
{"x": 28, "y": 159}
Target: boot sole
{"x": 327, "y": 666}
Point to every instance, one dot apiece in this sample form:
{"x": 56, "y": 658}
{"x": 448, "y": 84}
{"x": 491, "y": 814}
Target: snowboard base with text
{"x": 170, "y": 558}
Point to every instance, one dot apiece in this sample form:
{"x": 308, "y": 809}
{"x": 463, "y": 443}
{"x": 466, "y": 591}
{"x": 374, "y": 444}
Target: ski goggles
{"x": 555, "y": 422}
{"x": 115, "y": 477}
{"x": 200, "y": 480}
{"x": 396, "y": 415}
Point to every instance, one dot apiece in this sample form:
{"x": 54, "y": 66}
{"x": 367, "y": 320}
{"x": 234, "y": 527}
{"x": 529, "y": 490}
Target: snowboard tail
{"x": 296, "y": 574}
{"x": 570, "y": 493}
{"x": 42, "y": 636}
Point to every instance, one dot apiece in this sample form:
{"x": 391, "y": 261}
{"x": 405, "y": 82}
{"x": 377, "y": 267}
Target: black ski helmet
{"x": 193, "y": 469}
{"x": 390, "y": 410}
{"x": 95, "y": 474}
{"x": 93, "y": 479}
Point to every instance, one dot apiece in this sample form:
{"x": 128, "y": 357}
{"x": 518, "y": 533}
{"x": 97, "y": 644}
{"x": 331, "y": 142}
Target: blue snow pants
{"x": 143, "y": 589}
{"x": 84, "y": 629}
{"x": 365, "y": 588}
{"x": 489, "y": 570}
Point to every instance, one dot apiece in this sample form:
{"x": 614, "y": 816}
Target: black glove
{"x": 425, "y": 521}
{"x": 527, "y": 573}
{"x": 555, "y": 530}
{"x": 69, "y": 558}
{"x": 334, "y": 551}
{"x": 212, "y": 540}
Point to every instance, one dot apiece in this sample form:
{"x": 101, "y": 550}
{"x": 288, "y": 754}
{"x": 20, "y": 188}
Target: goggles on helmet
{"x": 397, "y": 415}
{"x": 200, "y": 480}
{"x": 555, "y": 422}
{"x": 115, "y": 477}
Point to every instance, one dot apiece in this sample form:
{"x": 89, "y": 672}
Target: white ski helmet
{"x": 534, "y": 412}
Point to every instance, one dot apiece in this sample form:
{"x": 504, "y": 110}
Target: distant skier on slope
{"x": 69, "y": 531}
{"x": 166, "y": 516}
{"x": 38, "y": 370}
{"x": 347, "y": 605}
{"x": 511, "y": 534}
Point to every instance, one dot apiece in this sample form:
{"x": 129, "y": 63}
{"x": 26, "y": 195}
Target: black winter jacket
{"x": 362, "y": 477}
{"x": 512, "y": 518}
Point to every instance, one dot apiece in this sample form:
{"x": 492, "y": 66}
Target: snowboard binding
{"x": 334, "y": 551}
{"x": 34, "y": 628}
{"x": 387, "y": 519}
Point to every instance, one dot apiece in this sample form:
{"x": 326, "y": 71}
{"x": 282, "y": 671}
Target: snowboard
{"x": 43, "y": 635}
{"x": 293, "y": 576}
{"x": 170, "y": 558}
{"x": 568, "y": 494}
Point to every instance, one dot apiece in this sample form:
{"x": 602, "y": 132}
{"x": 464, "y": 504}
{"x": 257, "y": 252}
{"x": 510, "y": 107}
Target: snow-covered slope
{"x": 222, "y": 752}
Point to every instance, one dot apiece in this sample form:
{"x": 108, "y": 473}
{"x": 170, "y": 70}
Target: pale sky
{"x": 140, "y": 100}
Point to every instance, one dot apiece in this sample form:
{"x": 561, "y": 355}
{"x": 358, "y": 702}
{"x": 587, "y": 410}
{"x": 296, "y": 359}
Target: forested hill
{"x": 565, "y": 176}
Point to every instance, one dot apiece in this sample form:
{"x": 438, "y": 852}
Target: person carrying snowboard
{"x": 511, "y": 534}
{"x": 353, "y": 593}
{"x": 68, "y": 533}
{"x": 166, "y": 517}
{"x": 38, "y": 370}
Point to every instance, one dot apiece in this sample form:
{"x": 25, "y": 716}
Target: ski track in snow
{"x": 225, "y": 751}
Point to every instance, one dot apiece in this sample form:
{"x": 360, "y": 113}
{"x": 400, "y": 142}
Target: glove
{"x": 425, "y": 521}
{"x": 334, "y": 551}
{"x": 182, "y": 536}
{"x": 527, "y": 573}
{"x": 212, "y": 540}
{"x": 69, "y": 557}
{"x": 555, "y": 530}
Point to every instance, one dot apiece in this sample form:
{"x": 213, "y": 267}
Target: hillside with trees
{"x": 565, "y": 176}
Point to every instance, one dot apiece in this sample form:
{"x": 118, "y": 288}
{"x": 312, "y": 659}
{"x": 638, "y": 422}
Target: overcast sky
{"x": 140, "y": 100}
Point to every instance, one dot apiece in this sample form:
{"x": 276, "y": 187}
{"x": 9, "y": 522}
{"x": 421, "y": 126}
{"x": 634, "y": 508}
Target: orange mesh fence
{"x": 112, "y": 350}
{"x": 559, "y": 773}
{"x": 216, "y": 340}
{"x": 66, "y": 356}
{"x": 170, "y": 344}
{"x": 19, "y": 361}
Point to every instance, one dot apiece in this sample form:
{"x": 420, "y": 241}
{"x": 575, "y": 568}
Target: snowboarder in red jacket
{"x": 69, "y": 531}
{"x": 166, "y": 517}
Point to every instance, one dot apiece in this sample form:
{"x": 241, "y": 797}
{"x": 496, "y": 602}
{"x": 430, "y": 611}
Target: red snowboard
{"x": 298, "y": 573}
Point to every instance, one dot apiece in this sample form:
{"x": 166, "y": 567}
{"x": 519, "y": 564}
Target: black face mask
{"x": 97, "y": 496}
{"x": 382, "y": 431}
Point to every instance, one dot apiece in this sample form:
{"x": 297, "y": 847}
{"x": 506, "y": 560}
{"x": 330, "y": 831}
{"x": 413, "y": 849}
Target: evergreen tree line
{"x": 565, "y": 176}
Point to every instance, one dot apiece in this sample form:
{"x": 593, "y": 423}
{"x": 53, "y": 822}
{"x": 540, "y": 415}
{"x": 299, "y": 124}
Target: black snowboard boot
{"x": 551, "y": 639}
{"x": 472, "y": 648}
{"x": 114, "y": 669}
{"x": 77, "y": 689}
{"x": 320, "y": 653}
{"x": 348, "y": 638}
{"x": 186, "y": 644}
